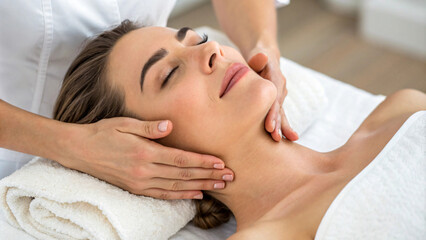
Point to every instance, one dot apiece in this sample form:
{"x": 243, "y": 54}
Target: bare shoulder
{"x": 274, "y": 230}
{"x": 380, "y": 126}
{"x": 398, "y": 106}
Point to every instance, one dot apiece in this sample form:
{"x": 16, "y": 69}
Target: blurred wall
{"x": 397, "y": 24}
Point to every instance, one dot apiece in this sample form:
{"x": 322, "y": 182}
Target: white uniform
{"x": 39, "y": 39}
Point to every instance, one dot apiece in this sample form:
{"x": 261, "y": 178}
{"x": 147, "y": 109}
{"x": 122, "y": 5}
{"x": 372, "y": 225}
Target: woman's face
{"x": 202, "y": 120}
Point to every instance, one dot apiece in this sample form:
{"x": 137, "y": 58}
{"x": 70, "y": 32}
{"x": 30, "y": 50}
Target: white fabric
{"x": 39, "y": 39}
{"x": 281, "y": 3}
{"x": 306, "y": 97}
{"x": 387, "y": 200}
{"x": 52, "y": 202}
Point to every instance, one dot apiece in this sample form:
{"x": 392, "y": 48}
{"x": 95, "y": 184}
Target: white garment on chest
{"x": 387, "y": 199}
{"x": 39, "y": 39}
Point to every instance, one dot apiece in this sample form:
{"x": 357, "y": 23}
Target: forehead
{"x": 133, "y": 50}
{"x": 139, "y": 44}
{"x": 145, "y": 36}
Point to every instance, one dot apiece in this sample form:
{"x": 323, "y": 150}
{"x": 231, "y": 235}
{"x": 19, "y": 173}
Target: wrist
{"x": 66, "y": 144}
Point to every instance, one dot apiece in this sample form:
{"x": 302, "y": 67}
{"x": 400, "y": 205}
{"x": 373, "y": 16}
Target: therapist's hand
{"x": 119, "y": 151}
{"x": 269, "y": 68}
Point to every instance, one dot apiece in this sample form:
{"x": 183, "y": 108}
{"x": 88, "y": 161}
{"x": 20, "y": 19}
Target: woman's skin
{"x": 281, "y": 189}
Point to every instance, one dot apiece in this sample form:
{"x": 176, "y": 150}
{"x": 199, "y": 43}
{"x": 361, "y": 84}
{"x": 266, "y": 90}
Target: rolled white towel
{"x": 49, "y": 201}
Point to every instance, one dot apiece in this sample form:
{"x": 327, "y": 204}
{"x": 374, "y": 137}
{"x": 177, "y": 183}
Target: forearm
{"x": 30, "y": 133}
{"x": 249, "y": 24}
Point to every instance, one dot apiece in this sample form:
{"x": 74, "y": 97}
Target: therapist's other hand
{"x": 118, "y": 151}
{"x": 276, "y": 121}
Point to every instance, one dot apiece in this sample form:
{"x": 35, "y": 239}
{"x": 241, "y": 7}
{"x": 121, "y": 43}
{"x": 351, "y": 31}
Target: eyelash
{"x": 204, "y": 40}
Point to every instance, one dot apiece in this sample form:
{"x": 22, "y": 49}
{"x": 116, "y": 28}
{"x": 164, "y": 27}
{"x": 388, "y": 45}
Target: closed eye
{"x": 204, "y": 40}
{"x": 169, "y": 76}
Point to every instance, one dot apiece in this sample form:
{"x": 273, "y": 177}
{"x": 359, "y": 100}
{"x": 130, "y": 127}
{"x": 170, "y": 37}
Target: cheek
{"x": 190, "y": 111}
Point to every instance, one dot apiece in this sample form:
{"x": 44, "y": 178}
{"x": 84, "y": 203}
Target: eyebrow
{"x": 160, "y": 54}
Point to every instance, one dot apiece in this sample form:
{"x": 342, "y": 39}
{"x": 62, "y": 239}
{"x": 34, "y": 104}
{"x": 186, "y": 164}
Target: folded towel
{"x": 387, "y": 199}
{"x": 49, "y": 201}
{"x": 306, "y": 97}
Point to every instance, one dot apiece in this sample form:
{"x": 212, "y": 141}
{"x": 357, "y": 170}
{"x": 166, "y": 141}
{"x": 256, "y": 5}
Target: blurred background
{"x": 375, "y": 45}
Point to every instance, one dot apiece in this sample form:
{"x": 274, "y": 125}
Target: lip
{"x": 233, "y": 74}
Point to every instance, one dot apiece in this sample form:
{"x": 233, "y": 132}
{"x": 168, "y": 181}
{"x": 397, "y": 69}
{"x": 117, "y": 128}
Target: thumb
{"x": 258, "y": 62}
{"x": 147, "y": 129}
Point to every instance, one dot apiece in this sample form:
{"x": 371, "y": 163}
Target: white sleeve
{"x": 281, "y": 3}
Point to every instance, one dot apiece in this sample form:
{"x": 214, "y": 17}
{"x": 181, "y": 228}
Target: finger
{"x": 164, "y": 194}
{"x": 270, "y": 121}
{"x": 184, "y": 159}
{"x": 170, "y": 172}
{"x": 281, "y": 97}
{"x": 146, "y": 129}
{"x": 182, "y": 185}
{"x": 277, "y": 134}
{"x": 288, "y": 132}
{"x": 284, "y": 94}
{"x": 258, "y": 62}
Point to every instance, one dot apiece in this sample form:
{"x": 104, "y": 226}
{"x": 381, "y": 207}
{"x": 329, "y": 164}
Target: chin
{"x": 256, "y": 104}
{"x": 264, "y": 96}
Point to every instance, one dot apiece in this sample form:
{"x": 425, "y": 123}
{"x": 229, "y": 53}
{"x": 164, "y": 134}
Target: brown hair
{"x": 86, "y": 96}
{"x": 210, "y": 212}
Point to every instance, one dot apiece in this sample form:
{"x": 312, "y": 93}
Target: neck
{"x": 268, "y": 173}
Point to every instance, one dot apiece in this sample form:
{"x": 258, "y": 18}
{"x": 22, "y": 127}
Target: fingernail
{"x": 199, "y": 196}
{"x": 219, "y": 185}
{"x": 219, "y": 165}
{"x": 162, "y": 126}
{"x": 228, "y": 177}
{"x": 281, "y": 133}
{"x": 273, "y": 124}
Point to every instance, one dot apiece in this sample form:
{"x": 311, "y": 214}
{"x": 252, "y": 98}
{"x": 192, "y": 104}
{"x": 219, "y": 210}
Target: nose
{"x": 212, "y": 54}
